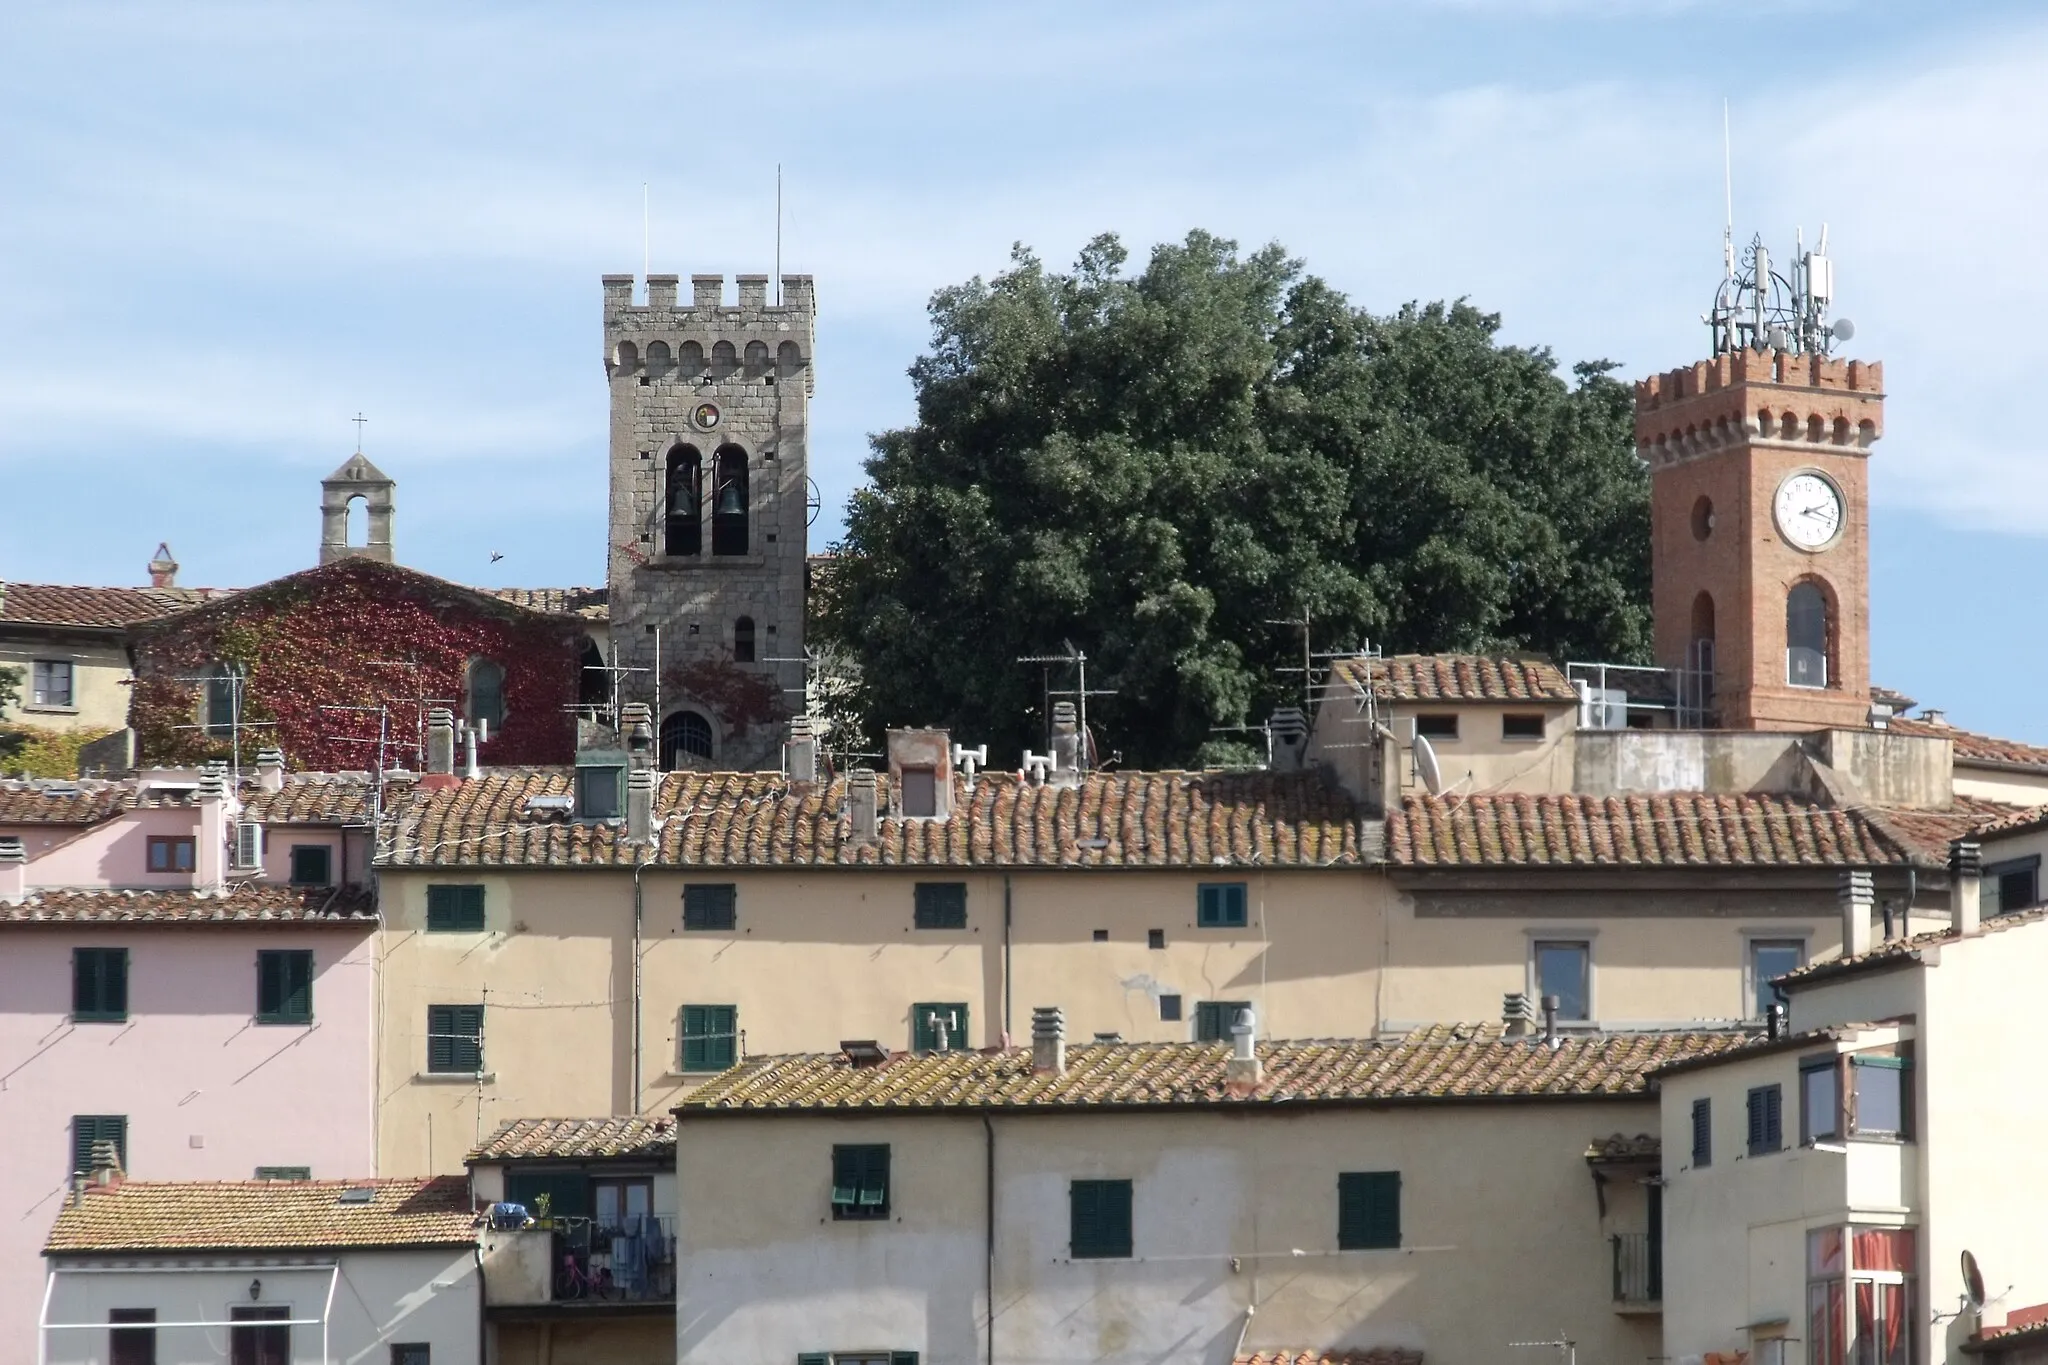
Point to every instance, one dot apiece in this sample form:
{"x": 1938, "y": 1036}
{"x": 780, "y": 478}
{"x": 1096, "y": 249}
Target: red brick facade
{"x": 1720, "y": 437}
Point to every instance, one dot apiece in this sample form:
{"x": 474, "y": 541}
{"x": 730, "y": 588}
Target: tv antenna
{"x": 1080, "y": 691}
{"x": 1566, "y": 1348}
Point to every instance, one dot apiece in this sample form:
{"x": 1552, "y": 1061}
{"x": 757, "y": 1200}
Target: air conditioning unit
{"x": 248, "y": 846}
{"x": 1602, "y": 708}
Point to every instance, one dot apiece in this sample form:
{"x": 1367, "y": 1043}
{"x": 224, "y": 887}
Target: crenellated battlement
{"x": 1798, "y": 369}
{"x": 1773, "y": 397}
{"x": 707, "y": 298}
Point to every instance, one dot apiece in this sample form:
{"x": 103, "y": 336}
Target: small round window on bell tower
{"x": 1702, "y": 518}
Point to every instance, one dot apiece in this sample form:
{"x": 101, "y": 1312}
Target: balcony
{"x": 571, "y": 1266}
{"x": 1638, "y": 1273}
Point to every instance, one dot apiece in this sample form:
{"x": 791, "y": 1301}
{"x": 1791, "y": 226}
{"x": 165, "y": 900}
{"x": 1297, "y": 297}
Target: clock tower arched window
{"x": 1806, "y": 635}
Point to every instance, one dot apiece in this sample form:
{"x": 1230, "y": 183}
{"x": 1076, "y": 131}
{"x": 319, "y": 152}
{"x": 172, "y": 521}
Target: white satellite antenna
{"x": 1973, "y": 1282}
{"x": 1426, "y": 766}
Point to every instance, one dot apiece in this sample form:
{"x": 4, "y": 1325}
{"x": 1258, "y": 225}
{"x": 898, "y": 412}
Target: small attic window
{"x": 1437, "y": 725}
{"x": 600, "y": 792}
{"x": 920, "y": 792}
{"x": 357, "y": 1194}
{"x": 1522, "y": 725}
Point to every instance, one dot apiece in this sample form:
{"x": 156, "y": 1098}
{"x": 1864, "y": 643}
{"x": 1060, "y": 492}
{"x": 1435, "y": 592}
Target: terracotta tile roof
{"x": 1899, "y": 951}
{"x": 1624, "y": 1147}
{"x": 310, "y": 799}
{"x": 2022, "y": 1327}
{"x": 63, "y": 803}
{"x": 1928, "y": 833}
{"x": 525, "y": 1139}
{"x": 53, "y": 604}
{"x": 1442, "y": 1062}
{"x": 1673, "y": 829}
{"x": 265, "y": 1215}
{"x": 1377, "y": 1355}
{"x": 589, "y": 603}
{"x": 2014, "y": 820}
{"x": 1151, "y": 819}
{"x": 1458, "y": 677}
{"x": 243, "y": 903}
{"x": 1897, "y": 702}
{"x": 1973, "y": 748}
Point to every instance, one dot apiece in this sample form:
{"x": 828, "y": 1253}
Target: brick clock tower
{"x": 1760, "y": 517}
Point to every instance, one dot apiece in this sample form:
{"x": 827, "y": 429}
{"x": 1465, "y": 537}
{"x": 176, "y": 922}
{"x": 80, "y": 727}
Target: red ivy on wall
{"x": 355, "y": 633}
{"x": 741, "y": 698}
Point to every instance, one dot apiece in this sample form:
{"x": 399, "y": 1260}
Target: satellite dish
{"x": 1425, "y": 766}
{"x": 1843, "y": 329}
{"x": 1973, "y": 1281}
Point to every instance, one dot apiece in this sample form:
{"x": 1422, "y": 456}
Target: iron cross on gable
{"x": 359, "y": 420}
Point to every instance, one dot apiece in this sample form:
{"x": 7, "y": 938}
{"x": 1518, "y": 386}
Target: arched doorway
{"x": 685, "y": 740}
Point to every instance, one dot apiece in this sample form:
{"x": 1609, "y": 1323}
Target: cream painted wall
{"x": 1481, "y": 758}
{"x": 1221, "y": 1204}
{"x": 99, "y": 681}
{"x": 379, "y": 1298}
{"x": 1997, "y": 784}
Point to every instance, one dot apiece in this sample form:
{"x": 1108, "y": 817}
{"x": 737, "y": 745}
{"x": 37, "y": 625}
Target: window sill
{"x": 49, "y": 710}
{"x": 262, "y": 1022}
{"x": 696, "y": 1075}
{"x": 99, "y": 1018}
{"x": 705, "y": 561}
{"x": 455, "y": 1077}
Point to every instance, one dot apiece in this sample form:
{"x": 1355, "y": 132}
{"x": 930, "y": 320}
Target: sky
{"x": 227, "y": 229}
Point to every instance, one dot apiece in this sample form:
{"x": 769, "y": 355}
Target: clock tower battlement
{"x": 1759, "y": 527}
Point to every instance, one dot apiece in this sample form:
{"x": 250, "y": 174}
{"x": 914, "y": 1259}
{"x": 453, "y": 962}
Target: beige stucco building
{"x": 70, "y": 648}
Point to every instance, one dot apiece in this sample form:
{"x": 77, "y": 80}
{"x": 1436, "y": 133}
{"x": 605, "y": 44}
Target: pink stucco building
{"x": 200, "y": 997}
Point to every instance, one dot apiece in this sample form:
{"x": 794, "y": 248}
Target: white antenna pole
{"x": 778, "y": 234}
{"x": 646, "y": 233}
{"x": 1728, "y": 195}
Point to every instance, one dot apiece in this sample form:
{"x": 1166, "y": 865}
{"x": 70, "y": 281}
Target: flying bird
{"x": 496, "y": 556}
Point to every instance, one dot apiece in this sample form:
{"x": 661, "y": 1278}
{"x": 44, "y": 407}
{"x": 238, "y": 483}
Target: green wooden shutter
{"x": 902, "y": 1358}
{"x": 88, "y": 1129}
{"x": 813, "y": 1358}
{"x": 1702, "y": 1133}
{"x": 860, "y": 1180}
{"x": 710, "y": 1037}
{"x": 939, "y": 905}
{"x": 1215, "y": 1018}
{"x": 1100, "y": 1218}
{"x": 99, "y": 984}
{"x": 284, "y": 986}
{"x": 455, "y": 1037}
{"x": 455, "y": 909}
{"x": 1368, "y": 1210}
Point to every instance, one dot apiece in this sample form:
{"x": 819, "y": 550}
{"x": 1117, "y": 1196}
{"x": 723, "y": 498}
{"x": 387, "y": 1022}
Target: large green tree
{"x": 1159, "y": 466}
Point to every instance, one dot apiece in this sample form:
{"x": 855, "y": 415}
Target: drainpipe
{"x": 639, "y": 865}
{"x": 1008, "y": 1025}
{"x": 988, "y": 1130}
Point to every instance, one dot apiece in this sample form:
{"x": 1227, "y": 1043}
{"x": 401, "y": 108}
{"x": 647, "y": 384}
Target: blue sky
{"x": 224, "y": 229}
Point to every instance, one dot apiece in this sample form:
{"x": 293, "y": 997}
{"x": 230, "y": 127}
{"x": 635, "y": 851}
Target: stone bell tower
{"x": 1760, "y": 508}
{"x": 710, "y": 406}
{"x": 357, "y": 478}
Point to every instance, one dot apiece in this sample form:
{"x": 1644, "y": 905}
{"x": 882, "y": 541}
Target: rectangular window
{"x": 1820, "y": 1100}
{"x": 920, "y": 792}
{"x": 617, "y": 1206}
{"x": 1368, "y": 1210}
{"x": 1220, "y": 905}
{"x": 1766, "y": 1120}
{"x": 2009, "y": 886}
{"x": 455, "y": 909}
{"x": 284, "y": 986}
{"x": 284, "y": 1172}
{"x": 89, "y": 1130}
{"x": 313, "y": 865}
{"x": 1169, "y": 1008}
{"x": 1437, "y": 725}
{"x": 170, "y": 852}
{"x": 99, "y": 985}
{"x": 1215, "y": 1018}
{"x": 412, "y": 1353}
{"x": 1769, "y": 959}
{"x": 131, "y": 1344}
{"x": 1861, "y": 1306}
{"x": 938, "y": 1027}
{"x": 455, "y": 1038}
{"x": 1522, "y": 725}
{"x": 52, "y": 684}
{"x": 600, "y": 792}
{"x": 710, "y": 1037}
{"x": 1099, "y": 1218}
{"x": 711, "y": 906}
{"x": 940, "y": 905}
{"x": 1565, "y": 969}
{"x": 1881, "y": 1097}
{"x": 1155, "y": 938}
{"x": 860, "y": 1181}
{"x": 1702, "y": 1133}
{"x": 258, "y": 1337}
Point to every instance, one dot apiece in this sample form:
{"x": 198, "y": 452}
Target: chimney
{"x": 13, "y": 871}
{"x": 163, "y": 570}
{"x": 637, "y": 720}
{"x": 800, "y": 751}
{"x": 1066, "y": 745}
{"x": 106, "y": 1164}
{"x": 1934, "y": 715}
{"x": 1550, "y": 1038}
{"x": 440, "y": 742}
{"x": 1965, "y": 886}
{"x": 1049, "y": 1040}
{"x": 1242, "y": 1074}
{"x": 1517, "y": 1019}
{"x": 860, "y": 804}
{"x": 209, "y": 872}
{"x": 1856, "y": 897}
{"x": 640, "y": 806}
{"x": 1287, "y": 740}
{"x": 270, "y": 770}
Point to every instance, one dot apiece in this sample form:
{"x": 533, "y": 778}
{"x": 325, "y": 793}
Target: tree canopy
{"x": 1158, "y": 466}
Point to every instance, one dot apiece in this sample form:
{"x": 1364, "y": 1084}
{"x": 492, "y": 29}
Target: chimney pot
{"x": 163, "y": 569}
{"x": 1242, "y": 1073}
{"x": 1517, "y": 1019}
{"x": 800, "y": 751}
{"x": 441, "y": 742}
{"x": 13, "y": 871}
{"x": 1965, "y": 886}
{"x": 1857, "y": 896}
{"x": 270, "y": 769}
{"x": 861, "y": 811}
{"x": 1550, "y": 1035}
{"x": 1066, "y": 745}
{"x": 1049, "y": 1040}
{"x": 637, "y": 720}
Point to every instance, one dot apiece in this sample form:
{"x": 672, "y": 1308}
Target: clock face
{"x": 1808, "y": 510}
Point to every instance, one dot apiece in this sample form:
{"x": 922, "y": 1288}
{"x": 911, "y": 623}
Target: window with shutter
{"x": 939, "y": 905}
{"x": 455, "y": 909}
{"x": 1702, "y": 1133}
{"x": 312, "y": 865}
{"x": 1368, "y": 1210}
{"x": 99, "y": 985}
{"x": 90, "y": 1129}
{"x": 1215, "y": 1018}
{"x": 1099, "y": 1219}
{"x": 284, "y": 986}
{"x": 1220, "y": 905}
{"x": 455, "y": 1038}
{"x": 1766, "y": 1131}
{"x": 710, "y": 1037}
{"x": 938, "y": 1026}
{"x": 860, "y": 1181}
{"x": 713, "y": 907}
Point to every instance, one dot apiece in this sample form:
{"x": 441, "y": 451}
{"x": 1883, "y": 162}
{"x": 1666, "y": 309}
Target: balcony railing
{"x": 1638, "y": 1269}
{"x": 634, "y": 1262}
